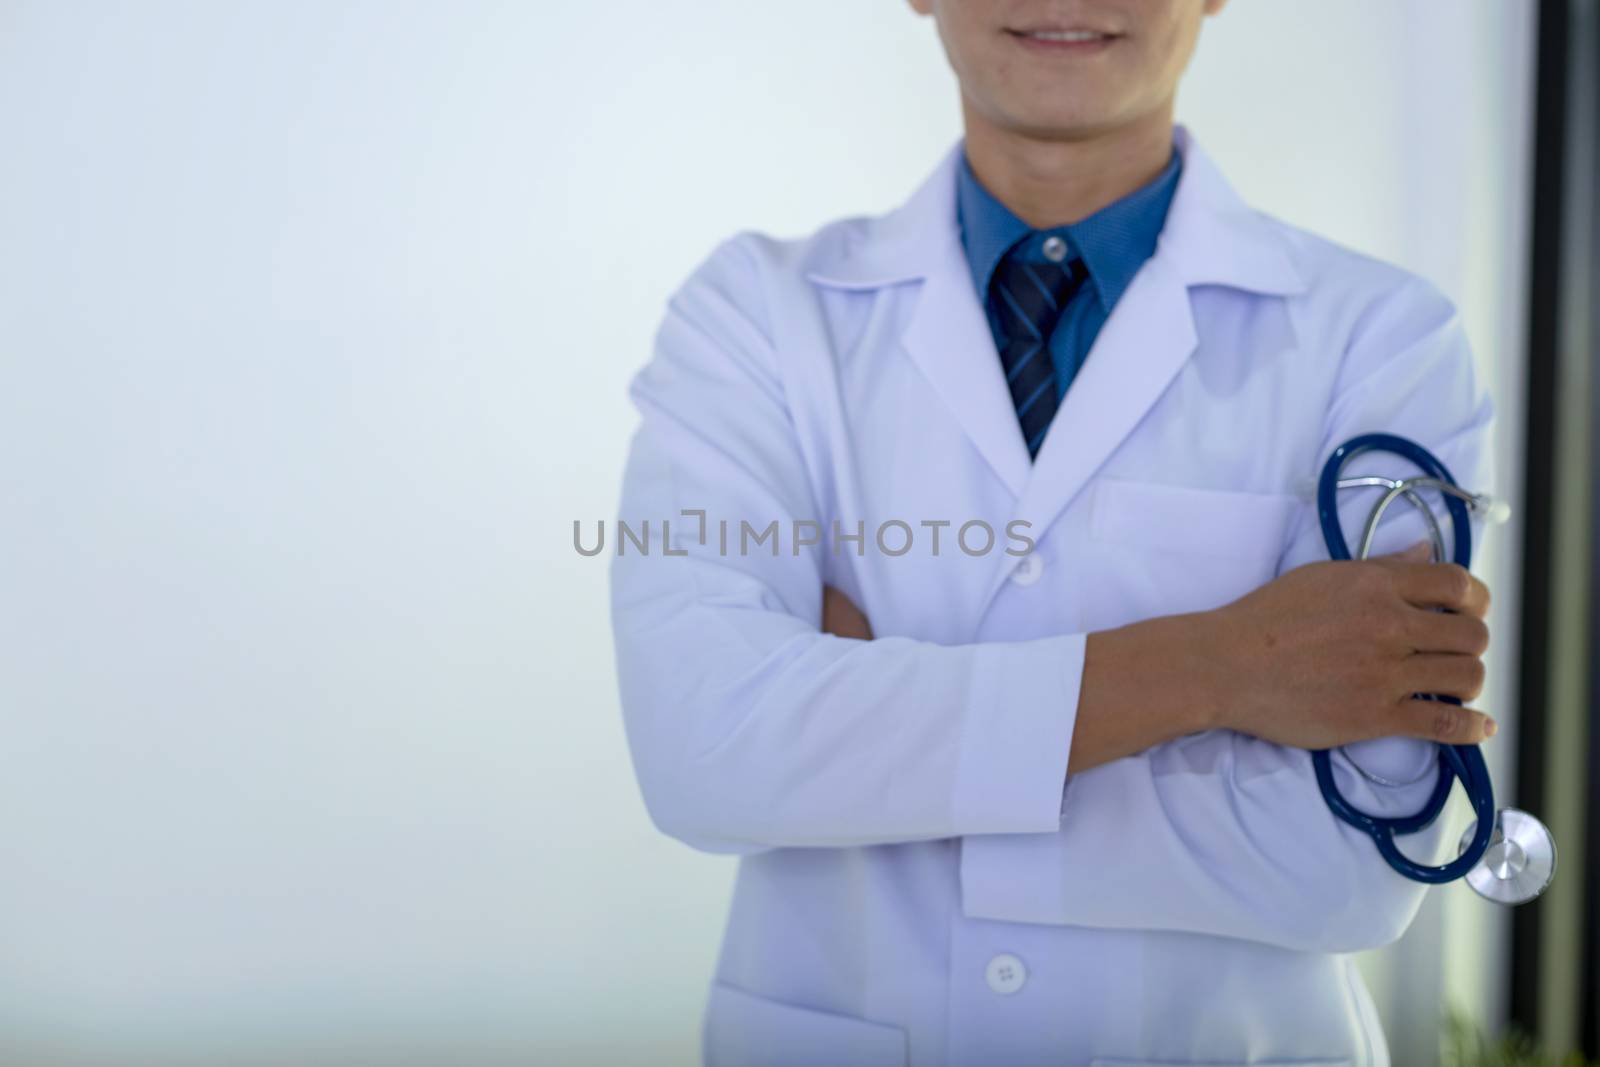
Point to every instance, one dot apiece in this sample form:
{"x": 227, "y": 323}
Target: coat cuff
{"x": 1021, "y": 708}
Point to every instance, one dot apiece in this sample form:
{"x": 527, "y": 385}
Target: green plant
{"x": 1464, "y": 1045}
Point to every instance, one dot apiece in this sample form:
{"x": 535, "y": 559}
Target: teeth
{"x": 1066, "y": 35}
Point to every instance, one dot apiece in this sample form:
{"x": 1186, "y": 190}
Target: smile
{"x": 1064, "y": 41}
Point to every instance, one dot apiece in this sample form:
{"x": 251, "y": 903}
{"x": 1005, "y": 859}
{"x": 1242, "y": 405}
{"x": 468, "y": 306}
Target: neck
{"x": 1054, "y": 182}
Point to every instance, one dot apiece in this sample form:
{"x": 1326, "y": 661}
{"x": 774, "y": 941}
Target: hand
{"x": 841, "y": 618}
{"x": 1333, "y": 652}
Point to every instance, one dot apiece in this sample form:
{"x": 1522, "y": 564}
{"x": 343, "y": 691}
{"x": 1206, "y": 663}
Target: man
{"x": 1054, "y": 802}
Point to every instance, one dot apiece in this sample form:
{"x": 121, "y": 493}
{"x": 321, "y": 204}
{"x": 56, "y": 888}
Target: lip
{"x": 1044, "y": 46}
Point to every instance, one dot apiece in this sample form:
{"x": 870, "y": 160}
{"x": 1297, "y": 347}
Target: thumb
{"x": 1421, "y": 552}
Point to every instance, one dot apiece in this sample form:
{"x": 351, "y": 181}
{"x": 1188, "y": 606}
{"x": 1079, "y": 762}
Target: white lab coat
{"x": 914, "y": 883}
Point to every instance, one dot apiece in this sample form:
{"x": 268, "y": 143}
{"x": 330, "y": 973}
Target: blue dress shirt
{"x": 1114, "y": 242}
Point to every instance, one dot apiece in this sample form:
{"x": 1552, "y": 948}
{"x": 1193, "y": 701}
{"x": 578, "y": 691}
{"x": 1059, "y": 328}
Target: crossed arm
{"x": 753, "y": 728}
{"x": 1265, "y": 666}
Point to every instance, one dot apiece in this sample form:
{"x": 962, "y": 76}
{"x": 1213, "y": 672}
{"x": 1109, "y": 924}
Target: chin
{"x": 1059, "y": 122}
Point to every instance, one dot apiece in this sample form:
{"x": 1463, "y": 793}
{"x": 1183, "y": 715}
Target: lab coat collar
{"x": 1212, "y": 236}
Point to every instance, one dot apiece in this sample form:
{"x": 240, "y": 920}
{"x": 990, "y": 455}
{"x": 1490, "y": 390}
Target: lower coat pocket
{"x": 745, "y": 1030}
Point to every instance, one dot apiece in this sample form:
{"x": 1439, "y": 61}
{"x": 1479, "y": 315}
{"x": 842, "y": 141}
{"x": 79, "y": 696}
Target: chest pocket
{"x": 1164, "y": 549}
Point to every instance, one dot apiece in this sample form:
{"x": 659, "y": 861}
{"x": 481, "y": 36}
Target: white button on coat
{"x": 1006, "y": 974}
{"x": 1055, "y": 249}
{"x": 1028, "y": 570}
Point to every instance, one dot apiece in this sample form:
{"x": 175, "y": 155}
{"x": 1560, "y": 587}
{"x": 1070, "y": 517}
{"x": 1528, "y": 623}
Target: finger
{"x": 1458, "y": 676}
{"x": 1440, "y": 631}
{"x": 1421, "y": 552}
{"x": 841, "y": 617}
{"x": 1442, "y": 585}
{"x": 1476, "y": 602}
{"x": 1446, "y": 723}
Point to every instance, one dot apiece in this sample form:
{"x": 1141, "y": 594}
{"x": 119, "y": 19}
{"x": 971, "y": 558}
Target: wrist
{"x": 1196, "y": 654}
{"x": 1145, "y": 684}
{"x": 1168, "y": 663}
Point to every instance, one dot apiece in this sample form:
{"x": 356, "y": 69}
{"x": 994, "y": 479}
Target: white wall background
{"x": 315, "y": 324}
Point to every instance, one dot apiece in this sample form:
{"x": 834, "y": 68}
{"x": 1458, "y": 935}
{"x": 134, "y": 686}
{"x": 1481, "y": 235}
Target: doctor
{"x": 1059, "y": 807}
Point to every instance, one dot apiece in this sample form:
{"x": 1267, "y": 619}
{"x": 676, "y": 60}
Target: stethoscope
{"x": 1507, "y": 855}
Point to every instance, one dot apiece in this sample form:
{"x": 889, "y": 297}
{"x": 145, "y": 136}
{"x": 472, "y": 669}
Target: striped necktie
{"x": 1029, "y": 298}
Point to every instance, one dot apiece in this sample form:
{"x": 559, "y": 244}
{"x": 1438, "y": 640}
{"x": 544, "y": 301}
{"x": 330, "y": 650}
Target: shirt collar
{"x": 1210, "y": 236}
{"x": 1114, "y": 241}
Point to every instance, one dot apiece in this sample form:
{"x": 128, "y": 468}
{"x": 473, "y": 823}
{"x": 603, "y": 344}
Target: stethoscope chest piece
{"x": 1520, "y": 861}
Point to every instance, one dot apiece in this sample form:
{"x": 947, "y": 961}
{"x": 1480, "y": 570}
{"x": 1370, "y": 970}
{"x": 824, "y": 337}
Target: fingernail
{"x": 1490, "y": 727}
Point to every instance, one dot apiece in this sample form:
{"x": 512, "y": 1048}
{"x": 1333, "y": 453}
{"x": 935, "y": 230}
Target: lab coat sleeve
{"x": 1227, "y": 834}
{"x": 748, "y": 727}
{"x": 1429, "y": 392}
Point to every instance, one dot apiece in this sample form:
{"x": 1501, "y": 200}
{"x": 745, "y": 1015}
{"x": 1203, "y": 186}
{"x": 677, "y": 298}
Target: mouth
{"x": 1063, "y": 40}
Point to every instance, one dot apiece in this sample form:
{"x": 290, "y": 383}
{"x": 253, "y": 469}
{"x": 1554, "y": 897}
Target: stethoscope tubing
{"x": 1456, "y": 762}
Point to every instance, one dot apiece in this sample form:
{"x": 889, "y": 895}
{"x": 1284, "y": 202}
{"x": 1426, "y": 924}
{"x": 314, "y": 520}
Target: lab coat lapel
{"x": 949, "y": 340}
{"x": 947, "y": 332}
{"x": 1144, "y": 342}
{"x": 1210, "y": 238}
